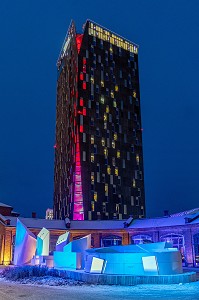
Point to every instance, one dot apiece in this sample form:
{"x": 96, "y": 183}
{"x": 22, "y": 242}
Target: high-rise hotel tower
{"x": 98, "y": 172}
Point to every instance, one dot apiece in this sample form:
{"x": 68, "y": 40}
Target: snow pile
{"x": 37, "y": 275}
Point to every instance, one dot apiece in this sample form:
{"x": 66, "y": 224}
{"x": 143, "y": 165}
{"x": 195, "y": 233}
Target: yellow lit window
{"x": 93, "y": 206}
{"x": 102, "y": 83}
{"x": 102, "y": 99}
{"x": 137, "y": 159}
{"x": 116, "y": 88}
{"x": 92, "y": 79}
{"x": 108, "y": 170}
{"x": 134, "y": 183}
{"x": 103, "y": 141}
{"x": 105, "y": 151}
{"x": 134, "y": 94}
{"x": 107, "y": 109}
{"x": 118, "y": 154}
{"x": 112, "y": 94}
{"x": 106, "y": 188}
{"x": 111, "y": 49}
{"x": 116, "y": 171}
{"x": 92, "y": 177}
{"x": 114, "y": 103}
{"x": 115, "y": 136}
{"x": 92, "y": 157}
{"x": 113, "y": 144}
{"x": 92, "y": 139}
{"x": 95, "y": 196}
{"x": 105, "y": 117}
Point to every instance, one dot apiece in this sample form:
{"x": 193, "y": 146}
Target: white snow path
{"x": 10, "y": 290}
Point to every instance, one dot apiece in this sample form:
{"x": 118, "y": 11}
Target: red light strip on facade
{"x": 79, "y": 38}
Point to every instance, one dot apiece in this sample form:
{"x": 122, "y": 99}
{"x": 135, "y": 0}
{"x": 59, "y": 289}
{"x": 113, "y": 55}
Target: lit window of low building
{"x": 118, "y": 154}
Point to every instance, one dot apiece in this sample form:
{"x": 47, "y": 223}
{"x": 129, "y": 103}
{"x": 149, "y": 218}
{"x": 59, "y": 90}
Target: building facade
{"x": 98, "y": 172}
{"x": 180, "y": 229}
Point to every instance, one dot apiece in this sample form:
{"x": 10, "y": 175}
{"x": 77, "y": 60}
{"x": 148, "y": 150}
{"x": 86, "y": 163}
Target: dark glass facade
{"x": 98, "y": 170}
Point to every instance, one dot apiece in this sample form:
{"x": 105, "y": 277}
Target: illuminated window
{"x": 118, "y": 154}
{"x": 105, "y": 117}
{"x": 92, "y": 177}
{"x": 137, "y": 159}
{"x": 108, "y": 170}
{"x": 102, "y": 83}
{"x": 113, "y": 161}
{"x": 84, "y": 85}
{"x": 92, "y": 79}
{"x": 106, "y": 189}
{"x": 81, "y": 102}
{"x": 114, "y": 103}
{"x": 134, "y": 183}
{"x": 116, "y": 171}
{"x": 92, "y": 139}
{"x": 102, "y": 99}
{"x": 115, "y": 136}
{"x": 95, "y": 196}
{"x": 81, "y": 76}
{"x": 116, "y": 88}
{"x": 103, "y": 141}
{"x": 92, "y": 157}
{"x": 134, "y": 94}
{"x": 92, "y": 206}
{"x": 107, "y": 109}
{"x": 112, "y": 94}
{"x": 113, "y": 144}
{"x": 105, "y": 151}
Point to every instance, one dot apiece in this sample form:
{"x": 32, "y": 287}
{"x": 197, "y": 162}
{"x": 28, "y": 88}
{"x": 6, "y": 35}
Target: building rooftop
{"x": 4, "y": 205}
{"x": 173, "y": 220}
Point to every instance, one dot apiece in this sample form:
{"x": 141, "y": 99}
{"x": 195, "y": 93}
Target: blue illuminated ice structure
{"x": 73, "y": 255}
{"x": 62, "y": 241}
{"x": 25, "y": 244}
{"x": 42, "y": 246}
{"x": 145, "y": 259}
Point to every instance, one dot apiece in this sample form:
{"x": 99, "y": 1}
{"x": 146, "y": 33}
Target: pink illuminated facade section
{"x": 78, "y": 210}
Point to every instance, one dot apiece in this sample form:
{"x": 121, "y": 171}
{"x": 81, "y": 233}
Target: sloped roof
{"x": 4, "y": 205}
{"x": 163, "y": 222}
{"x": 60, "y": 224}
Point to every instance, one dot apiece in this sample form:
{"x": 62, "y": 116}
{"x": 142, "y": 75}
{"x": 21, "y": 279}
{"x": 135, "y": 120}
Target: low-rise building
{"x": 182, "y": 229}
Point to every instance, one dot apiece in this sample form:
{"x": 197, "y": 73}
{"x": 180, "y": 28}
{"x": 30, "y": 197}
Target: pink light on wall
{"x": 78, "y": 211}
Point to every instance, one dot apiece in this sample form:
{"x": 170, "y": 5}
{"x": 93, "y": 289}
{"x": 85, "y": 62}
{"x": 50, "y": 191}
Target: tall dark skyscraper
{"x": 98, "y": 171}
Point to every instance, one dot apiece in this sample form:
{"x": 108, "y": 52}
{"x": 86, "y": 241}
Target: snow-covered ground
{"x": 13, "y": 290}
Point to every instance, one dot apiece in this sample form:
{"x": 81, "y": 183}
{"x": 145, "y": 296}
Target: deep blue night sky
{"x": 31, "y": 35}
